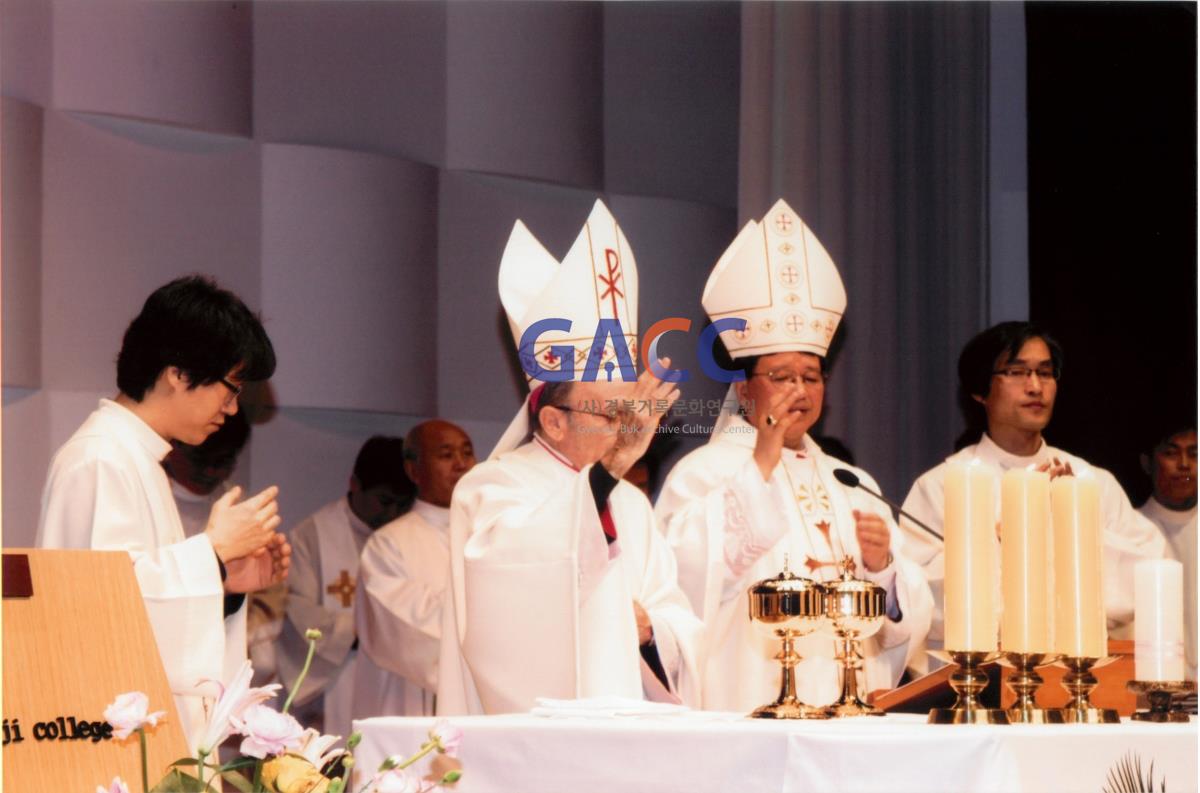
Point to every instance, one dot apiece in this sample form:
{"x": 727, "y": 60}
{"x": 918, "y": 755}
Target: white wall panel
{"x": 127, "y": 207}
{"x": 186, "y": 62}
{"x": 349, "y": 279}
{"x": 523, "y": 90}
{"x": 671, "y": 100}
{"x": 21, "y": 242}
{"x": 368, "y": 76}
{"x": 25, "y": 36}
{"x": 478, "y": 372}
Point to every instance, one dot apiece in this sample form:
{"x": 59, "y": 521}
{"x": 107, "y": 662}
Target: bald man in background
{"x": 403, "y": 576}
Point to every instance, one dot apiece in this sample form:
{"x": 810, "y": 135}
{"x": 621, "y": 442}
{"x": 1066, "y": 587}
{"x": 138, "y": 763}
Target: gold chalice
{"x": 790, "y": 607}
{"x": 856, "y": 610}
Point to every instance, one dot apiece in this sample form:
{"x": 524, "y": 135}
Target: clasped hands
{"x": 243, "y": 536}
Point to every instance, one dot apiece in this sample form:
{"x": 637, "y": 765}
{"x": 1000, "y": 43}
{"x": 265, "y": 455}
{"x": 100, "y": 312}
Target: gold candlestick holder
{"x": 1024, "y": 682}
{"x": 1159, "y": 693}
{"x": 856, "y": 610}
{"x": 1079, "y": 683}
{"x": 968, "y": 681}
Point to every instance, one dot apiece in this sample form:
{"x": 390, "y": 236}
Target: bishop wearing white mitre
{"x": 761, "y": 491}
{"x": 561, "y": 586}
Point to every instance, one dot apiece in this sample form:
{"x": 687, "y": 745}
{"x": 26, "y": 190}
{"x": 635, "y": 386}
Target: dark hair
{"x": 380, "y": 461}
{"x": 1162, "y": 428}
{"x": 554, "y": 394}
{"x": 204, "y": 330}
{"x": 977, "y": 365}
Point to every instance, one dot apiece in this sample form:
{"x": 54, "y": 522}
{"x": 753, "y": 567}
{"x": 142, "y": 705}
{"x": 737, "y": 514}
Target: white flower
{"x": 448, "y": 736}
{"x": 231, "y": 703}
{"x": 118, "y": 785}
{"x": 267, "y": 731}
{"x": 128, "y": 712}
{"x": 314, "y": 747}
{"x": 397, "y": 780}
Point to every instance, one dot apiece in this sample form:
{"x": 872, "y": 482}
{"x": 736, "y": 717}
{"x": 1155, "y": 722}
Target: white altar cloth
{"x": 696, "y": 752}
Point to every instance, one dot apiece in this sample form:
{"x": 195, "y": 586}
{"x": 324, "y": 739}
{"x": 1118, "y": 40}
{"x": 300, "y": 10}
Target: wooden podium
{"x": 933, "y": 690}
{"x": 76, "y": 635}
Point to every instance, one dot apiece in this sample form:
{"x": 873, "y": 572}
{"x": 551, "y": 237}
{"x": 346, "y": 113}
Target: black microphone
{"x": 850, "y": 479}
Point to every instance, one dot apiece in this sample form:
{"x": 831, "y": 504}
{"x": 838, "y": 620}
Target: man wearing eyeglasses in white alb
{"x": 762, "y": 493}
{"x": 1008, "y": 379}
{"x": 182, "y": 365}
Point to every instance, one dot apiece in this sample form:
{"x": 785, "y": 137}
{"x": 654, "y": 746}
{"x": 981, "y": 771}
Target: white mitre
{"x": 596, "y": 280}
{"x": 778, "y": 277}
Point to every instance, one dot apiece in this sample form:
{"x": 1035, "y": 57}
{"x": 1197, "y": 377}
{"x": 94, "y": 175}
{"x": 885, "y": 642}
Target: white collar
{"x": 988, "y": 450}
{"x": 1171, "y": 519}
{"x": 136, "y": 429}
{"x": 742, "y": 433}
{"x": 432, "y": 514}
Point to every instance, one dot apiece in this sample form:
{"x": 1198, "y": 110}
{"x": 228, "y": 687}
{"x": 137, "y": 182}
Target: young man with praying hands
{"x": 561, "y": 585}
{"x": 761, "y": 492}
{"x": 183, "y": 363}
{"x": 1008, "y": 380}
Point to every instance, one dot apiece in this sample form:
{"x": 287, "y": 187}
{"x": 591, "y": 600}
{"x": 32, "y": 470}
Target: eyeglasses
{"x": 788, "y": 377}
{"x": 609, "y": 418}
{"x": 234, "y": 390}
{"x": 1021, "y": 373}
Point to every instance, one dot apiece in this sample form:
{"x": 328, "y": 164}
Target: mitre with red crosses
{"x": 778, "y": 277}
{"x": 596, "y": 280}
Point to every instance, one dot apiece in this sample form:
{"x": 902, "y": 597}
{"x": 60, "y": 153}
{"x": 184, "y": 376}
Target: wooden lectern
{"x": 933, "y": 690}
{"x": 76, "y": 635}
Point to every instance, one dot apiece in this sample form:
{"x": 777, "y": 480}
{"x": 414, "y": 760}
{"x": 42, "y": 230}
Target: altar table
{"x": 699, "y": 752}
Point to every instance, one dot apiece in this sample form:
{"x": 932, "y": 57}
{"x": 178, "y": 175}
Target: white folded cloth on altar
{"x": 603, "y": 708}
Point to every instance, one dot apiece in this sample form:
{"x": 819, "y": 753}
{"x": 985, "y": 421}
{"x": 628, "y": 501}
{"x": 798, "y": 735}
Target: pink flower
{"x": 232, "y": 701}
{"x": 315, "y": 747}
{"x": 128, "y": 712}
{"x": 267, "y": 731}
{"x": 398, "y": 780}
{"x": 448, "y": 737}
{"x": 118, "y": 785}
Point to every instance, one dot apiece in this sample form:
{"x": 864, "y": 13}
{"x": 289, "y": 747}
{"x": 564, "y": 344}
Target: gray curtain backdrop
{"x": 871, "y": 119}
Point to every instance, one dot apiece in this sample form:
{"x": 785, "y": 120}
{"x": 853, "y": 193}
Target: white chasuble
{"x": 1128, "y": 536}
{"x": 542, "y": 606}
{"x": 730, "y": 529}
{"x": 322, "y": 587}
{"x": 107, "y": 490}
{"x": 403, "y": 576}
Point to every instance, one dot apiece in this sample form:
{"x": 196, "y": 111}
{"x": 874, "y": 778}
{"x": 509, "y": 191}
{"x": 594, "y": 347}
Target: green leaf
{"x": 178, "y": 782}
{"x": 241, "y": 762}
{"x": 238, "y": 781}
{"x": 185, "y": 761}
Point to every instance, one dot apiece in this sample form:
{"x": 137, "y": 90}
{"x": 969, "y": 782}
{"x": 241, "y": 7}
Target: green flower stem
{"x": 426, "y": 748}
{"x": 145, "y": 773}
{"x": 257, "y": 786}
{"x": 201, "y": 755}
{"x": 312, "y": 649}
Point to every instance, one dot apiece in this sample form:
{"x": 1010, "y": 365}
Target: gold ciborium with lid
{"x": 855, "y": 610}
{"x": 789, "y": 607}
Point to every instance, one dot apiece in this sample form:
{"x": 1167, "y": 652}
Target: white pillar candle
{"x": 1158, "y": 620}
{"x": 1080, "y": 629}
{"x": 1025, "y": 561}
{"x": 970, "y": 585}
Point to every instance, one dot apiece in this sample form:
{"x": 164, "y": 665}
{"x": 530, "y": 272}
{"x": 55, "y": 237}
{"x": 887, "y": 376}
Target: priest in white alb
{"x": 322, "y": 587}
{"x": 403, "y": 576}
{"x": 762, "y": 493}
{"x": 1008, "y": 382}
{"x": 181, "y": 367}
{"x": 561, "y": 585}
